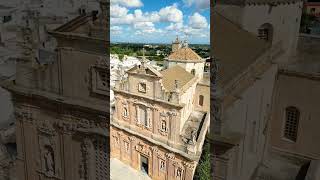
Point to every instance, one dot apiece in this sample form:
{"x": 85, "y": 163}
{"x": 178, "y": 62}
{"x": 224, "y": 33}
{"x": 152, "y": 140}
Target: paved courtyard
{"x": 121, "y": 171}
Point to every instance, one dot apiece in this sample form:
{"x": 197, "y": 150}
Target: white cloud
{"x": 171, "y": 14}
{"x": 146, "y": 27}
{"x": 199, "y": 4}
{"x": 139, "y": 16}
{"x": 127, "y": 3}
{"x": 119, "y": 15}
{"x": 118, "y": 11}
{"x": 175, "y": 26}
{"x": 116, "y": 30}
{"x": 197, "y": 21}
{"x": 144, "y": 23}
{"x": 127, "y": 19}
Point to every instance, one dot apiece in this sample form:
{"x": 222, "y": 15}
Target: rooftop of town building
{"x": 176, "y": 78}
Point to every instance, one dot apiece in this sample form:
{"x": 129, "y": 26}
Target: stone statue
{"x": 164, "y": 126}
{"x": 193, "y": 138}
{"x": 179, "y": 173}
{"x": 49, "y": 162}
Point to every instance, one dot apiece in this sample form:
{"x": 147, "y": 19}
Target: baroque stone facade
{"x": 162, "y": 163}
{"x": 161, "y": 118}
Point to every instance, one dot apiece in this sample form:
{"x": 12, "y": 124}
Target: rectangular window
{"x": 99, "y": 81}
{"x": 291, "y": 123}
{"x": 201, "y": 100}
{"x": 143, "y": 116}
{"x": 101, "y": 158}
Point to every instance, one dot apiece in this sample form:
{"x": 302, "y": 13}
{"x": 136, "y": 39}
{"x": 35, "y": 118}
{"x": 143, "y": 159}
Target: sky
{"x": 160, "y": 21}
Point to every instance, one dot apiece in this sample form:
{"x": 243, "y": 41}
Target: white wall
{"x": 187, "y": 99}
{"x": 285, "y": 20}
{"x": 240, "y": 117}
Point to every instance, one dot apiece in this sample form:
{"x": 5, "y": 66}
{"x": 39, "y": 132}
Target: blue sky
{"x": 160, "y": 21}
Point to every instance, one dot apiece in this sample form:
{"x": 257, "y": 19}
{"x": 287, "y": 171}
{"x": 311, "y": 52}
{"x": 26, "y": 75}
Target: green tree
{"x": 203, "y": 170}
{"x": 121, "y": 57}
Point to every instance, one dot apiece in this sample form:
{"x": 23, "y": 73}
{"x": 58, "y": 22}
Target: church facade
{"x": 161, "y": 119}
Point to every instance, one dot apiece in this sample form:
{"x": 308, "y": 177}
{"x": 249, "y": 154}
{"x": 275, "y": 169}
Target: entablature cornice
{"x": 146, "y": 99}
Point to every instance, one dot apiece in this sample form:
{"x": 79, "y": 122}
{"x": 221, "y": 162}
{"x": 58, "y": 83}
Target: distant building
{"x": 161, "y": 118}
{"x": 176, "y": 44}
{"x": 312, "y": 8}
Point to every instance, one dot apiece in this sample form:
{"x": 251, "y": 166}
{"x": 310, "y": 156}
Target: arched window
{"x": 291, "y": 123}
{"x": 201, "y": 100}
{"x": 193, "y": 72}
{"x": 265, "y": 32}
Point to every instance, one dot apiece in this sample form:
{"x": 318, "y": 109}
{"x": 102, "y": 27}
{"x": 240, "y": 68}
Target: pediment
{"x": 144, "y": 70}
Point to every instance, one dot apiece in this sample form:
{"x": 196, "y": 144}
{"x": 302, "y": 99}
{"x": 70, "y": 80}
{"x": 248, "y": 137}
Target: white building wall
{"x": 285, "y": 20}
{"x": 187, "y": 99}
{"x": 199, "y": 68}
{"x": 248, "y": 116}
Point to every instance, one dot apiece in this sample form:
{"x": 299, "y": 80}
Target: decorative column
{"x": 189, "y": 169}
{"x": 170, "y": 165}
{"x": 133, "y": 153}
{"x": 120, "y": 144}
{"x": 131, "y": 112}
{"x": 137, "y": 121}
{"x": 149, "y": 117}
{"x": 155, "y": 168}
{"x": 117, "y": 108}
{"x": 86, "y": 171}
{"x": 156, "y": 119}
{"x": 172, "y": 124}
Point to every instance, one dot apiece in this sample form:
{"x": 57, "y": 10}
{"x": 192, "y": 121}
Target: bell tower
{"x": 176, "y": 44}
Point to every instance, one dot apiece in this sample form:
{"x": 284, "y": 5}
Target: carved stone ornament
{"x": 46, "y": 127}
{"x": 170, "y": 156}
{"x": 84, "y": 165}
{"x": 155, "y": 149}
{"x": 190, "y": 165}
{"x": 142, "y": 148}
{"x": 24, "y": 116}
{"x": 132, "y": 139}
{"x": 101, "y": 62}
